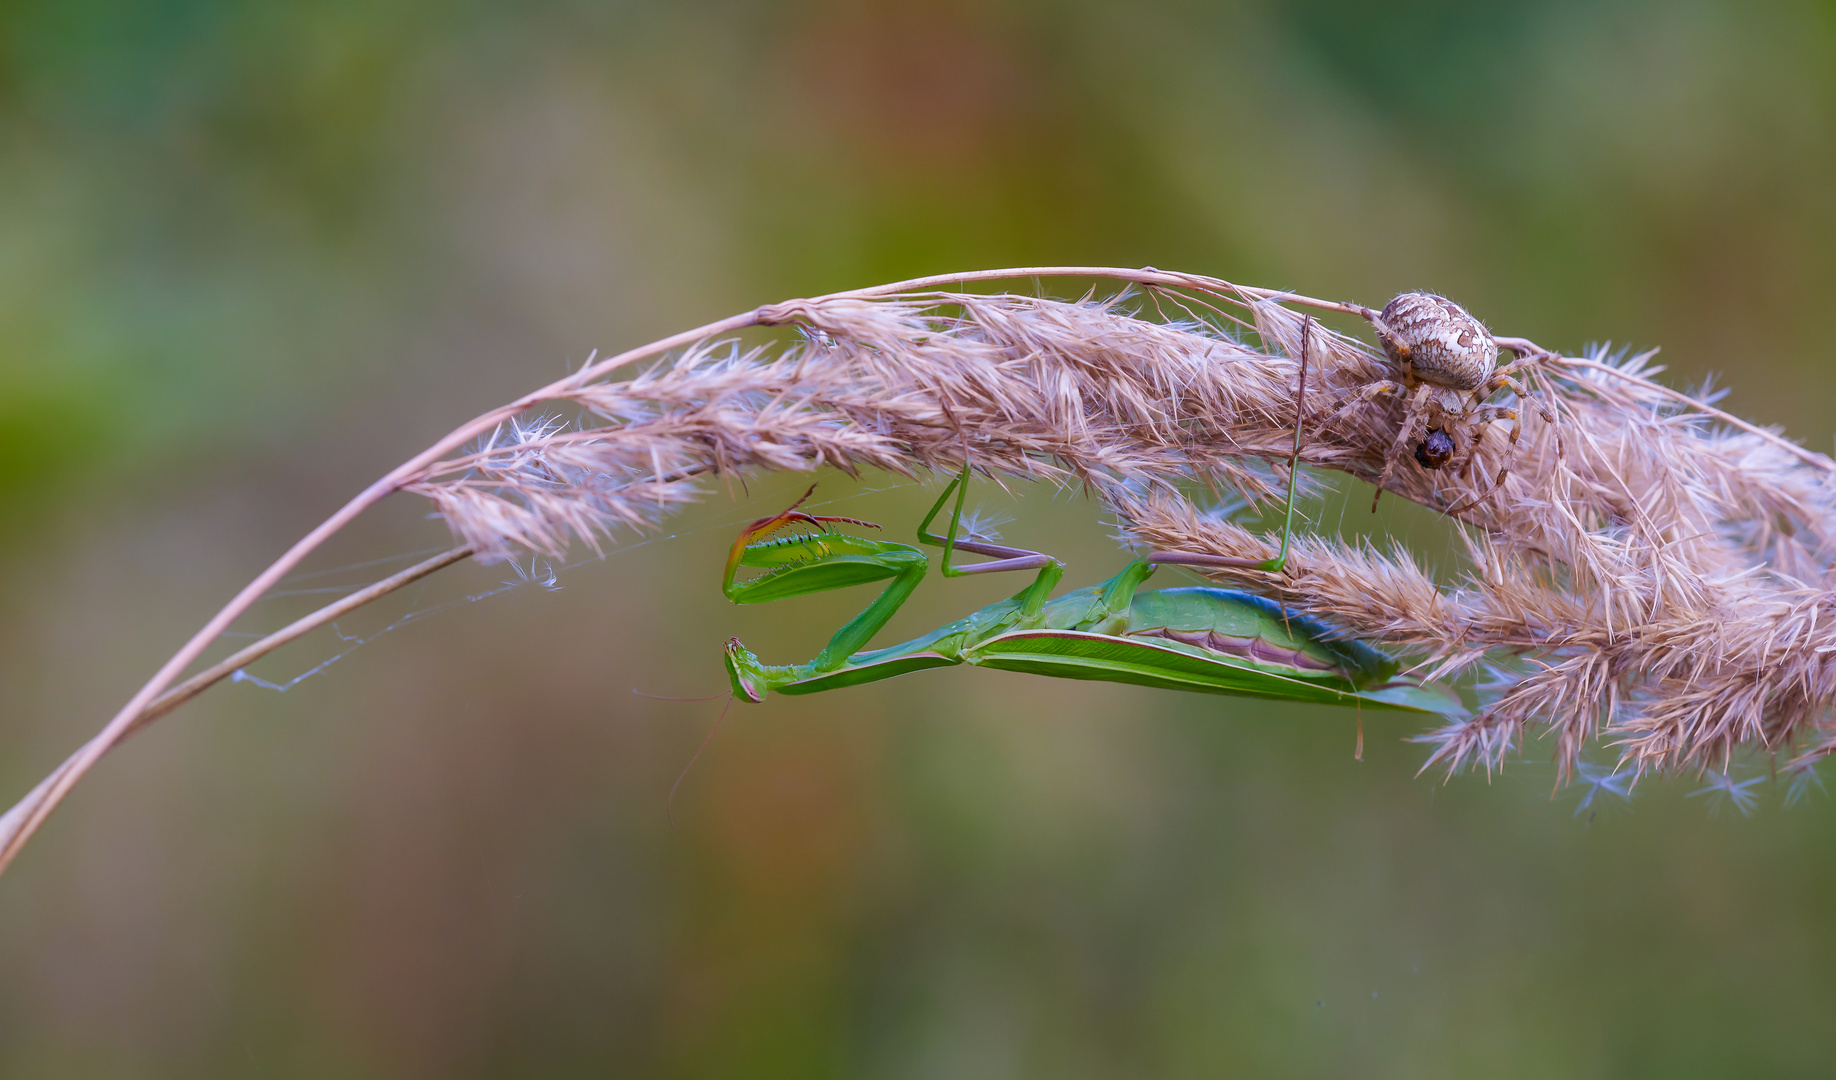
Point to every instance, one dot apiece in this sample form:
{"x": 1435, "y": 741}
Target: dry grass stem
{"x": 1662, "y": 583}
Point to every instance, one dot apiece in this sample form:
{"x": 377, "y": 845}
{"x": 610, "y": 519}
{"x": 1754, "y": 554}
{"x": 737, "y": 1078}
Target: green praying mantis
{"x": 1199, "y": 638}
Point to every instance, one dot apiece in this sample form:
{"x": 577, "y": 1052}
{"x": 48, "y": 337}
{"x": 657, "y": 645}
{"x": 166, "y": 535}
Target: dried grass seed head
{"x": 1669, "y": 576}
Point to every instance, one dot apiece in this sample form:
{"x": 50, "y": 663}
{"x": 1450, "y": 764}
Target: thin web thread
{"x": 540, "y": 572}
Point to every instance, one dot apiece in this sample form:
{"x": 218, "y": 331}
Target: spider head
{"x": 1435, "y": 450}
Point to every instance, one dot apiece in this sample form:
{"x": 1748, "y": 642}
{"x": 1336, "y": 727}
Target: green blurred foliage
{"x": 252, "y": 255}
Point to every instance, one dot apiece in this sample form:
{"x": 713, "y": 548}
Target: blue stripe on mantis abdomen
{"x": 1254, "y": 628}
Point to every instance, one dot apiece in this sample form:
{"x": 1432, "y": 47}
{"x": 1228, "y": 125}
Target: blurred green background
{"x": 252, "y": 255}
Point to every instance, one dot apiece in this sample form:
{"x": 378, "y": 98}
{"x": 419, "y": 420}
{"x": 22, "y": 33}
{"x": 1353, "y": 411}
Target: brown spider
{"x": 1446, "y": 365}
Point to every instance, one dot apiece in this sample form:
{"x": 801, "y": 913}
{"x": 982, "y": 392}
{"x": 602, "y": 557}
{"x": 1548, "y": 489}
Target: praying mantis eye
{"x": 1435, "y": 450}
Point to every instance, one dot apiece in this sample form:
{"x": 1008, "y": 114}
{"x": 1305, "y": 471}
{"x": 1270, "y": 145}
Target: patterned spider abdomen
{"x": 1434, "y": 339}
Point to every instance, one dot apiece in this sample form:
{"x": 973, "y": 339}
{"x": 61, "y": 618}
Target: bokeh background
{"x": 253, "y": 254}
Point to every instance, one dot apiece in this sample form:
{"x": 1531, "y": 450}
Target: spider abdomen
{"x": 1437, "y": 341}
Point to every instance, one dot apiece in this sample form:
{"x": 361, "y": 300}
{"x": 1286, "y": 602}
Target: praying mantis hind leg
{"x": 1280, "y": 561}
{"x": 1002, "y": 557}
{"x": 1010, "y": 558}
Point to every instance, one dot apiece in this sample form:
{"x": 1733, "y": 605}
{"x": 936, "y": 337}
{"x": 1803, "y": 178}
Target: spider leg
{"x": 1541, "y": 378}
{"x": 1470, "y": 415}
{"x": 1370, "y": 393}
{"x": 1475, "y": 406}
{"x": 1522, "y": 348}
{"x": 1470, "y": 434}
{"x": 1516, "y": 365}
{"x": 1503, "y": 379}
{"x": 1415, "y": 422}
{"x": 1484, "y": 416}
{"x": 1529, "y": 363}
{"x": 1473, "y": 434}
